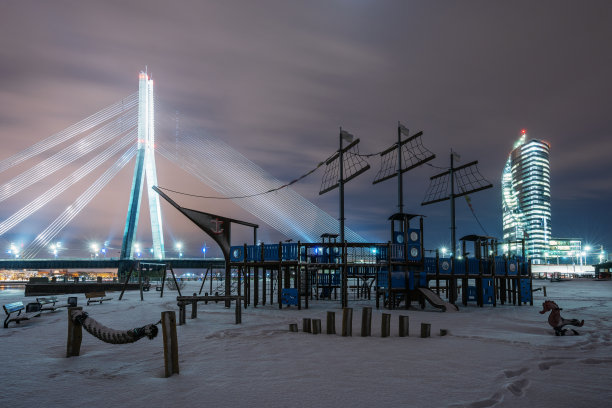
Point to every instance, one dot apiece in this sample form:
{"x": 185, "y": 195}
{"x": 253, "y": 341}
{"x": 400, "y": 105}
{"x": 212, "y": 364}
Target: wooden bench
{"x": 96, "y": 297}
{"x": 52, "y": 300}
{"x": 32, "y": 310}
{"x": 183, "y": 301}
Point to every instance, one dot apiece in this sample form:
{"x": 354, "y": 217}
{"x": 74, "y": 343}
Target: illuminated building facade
{"x": 526, "y": 198}
{"x": 145, "y": 166}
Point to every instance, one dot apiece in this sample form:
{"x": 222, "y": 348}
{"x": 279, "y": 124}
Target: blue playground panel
{"x": 513, "y": 267}
{"x": 398, "y": 279}
{"x": 446, "y": 266}
{"x": 459, "y": 266}
{"x": 430, "y": 266}
{"x": 500, "y": 265}
{"x": 525, "y": 288}
{"x": 473, "y": 266}
{"x": 253, "y": 253}
{"x": 290, "y": 252}
{"x": 488, "y": 291}
{"x": 237, "y": 254}
{"x": 289, "y": 297}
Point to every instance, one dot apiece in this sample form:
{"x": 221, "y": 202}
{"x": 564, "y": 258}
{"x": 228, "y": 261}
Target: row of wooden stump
{"x": 314, "y": 325}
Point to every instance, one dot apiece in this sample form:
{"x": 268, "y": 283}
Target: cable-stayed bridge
{"x": 107, "y": 141}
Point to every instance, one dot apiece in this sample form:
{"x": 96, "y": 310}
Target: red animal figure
{"x": 555, "y": 319}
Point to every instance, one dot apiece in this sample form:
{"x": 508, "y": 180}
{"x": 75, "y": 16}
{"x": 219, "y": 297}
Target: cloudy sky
{"x": 275, "y": 80}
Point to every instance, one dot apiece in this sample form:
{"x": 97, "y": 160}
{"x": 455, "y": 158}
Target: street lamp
{"x": 204, "y": 250}
{"x": 443, "y": 252}
{"x": 137, "y": 249}
{"x": 179, "y": 248}
{"x": 94, "y": 249}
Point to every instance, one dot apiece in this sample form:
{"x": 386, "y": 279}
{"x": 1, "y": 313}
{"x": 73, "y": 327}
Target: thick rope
{"x": 110, "y": 335}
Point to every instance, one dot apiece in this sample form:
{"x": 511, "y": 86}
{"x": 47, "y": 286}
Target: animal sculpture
{"x": 556, "y": 321}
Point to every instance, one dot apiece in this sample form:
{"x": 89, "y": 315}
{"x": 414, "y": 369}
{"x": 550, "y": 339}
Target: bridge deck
{"x": 108, "y": 263}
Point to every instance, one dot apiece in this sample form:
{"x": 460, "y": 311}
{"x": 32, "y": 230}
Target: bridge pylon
{"x": 145, "y": 166}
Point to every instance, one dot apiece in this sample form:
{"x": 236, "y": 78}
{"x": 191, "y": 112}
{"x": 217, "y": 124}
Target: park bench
{"x": 183, "y": 301}
{"x": 49, "y": 303}
{"x": 96, "y": 297}
{"x": 14, "y": 312}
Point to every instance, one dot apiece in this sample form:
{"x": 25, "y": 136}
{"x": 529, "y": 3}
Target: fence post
{"x": 75, "y": 334}
{"x": 293, "y": 327}
{"x": 331, "y": 322}
{"x": 347, "y": 321}
{"x": 171, "y": 362}
{"x": 366, "y": 322}
{"x": 425, "y": 330}
{"x": 385, "y": 326}
{"x": 404, "y": 325}
{"x": 316, "y": 326}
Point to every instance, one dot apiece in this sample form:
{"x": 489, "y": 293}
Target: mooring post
{"x": 385, "y": 325}
{"x": 331, "y": 322}
{"x": 306, "y": 325}
{"x": 316, "y": 326}
{"x": 293, "y": 327}
{"x": 404, "y": 325}
{"x": 171, "y": 362}
{"x": 425, "y": 330}
{"x": 347, "y": 321}
{"x": 75, "y": 334}
{"x": 366, "y": 322}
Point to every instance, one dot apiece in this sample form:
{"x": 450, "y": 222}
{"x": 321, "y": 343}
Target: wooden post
{"x": 331, "y": 322}
{"x": 425, "y": 330}
{"x": 171, "y": 361}
{"x": 544, "y": 290}
{"x": 293, "y": 327}
{"x": 347, "y": 321}
{"x": 316, "y": 326}
{"x": 404, "y": 325}
{"x": 75, "y": 335}
{"x": 443, "y": 332}
{"x": 182, "y": 308}
{"x": 366, "y": 322}
{"x": 238, "y": 311}
{"x": 385, "y": 326}
{"x": 307, "y": 325}
{"x": 194, "y": 308}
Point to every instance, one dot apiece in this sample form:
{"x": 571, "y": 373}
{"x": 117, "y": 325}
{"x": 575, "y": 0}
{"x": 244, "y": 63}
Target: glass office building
{"x": 526, "y": 198}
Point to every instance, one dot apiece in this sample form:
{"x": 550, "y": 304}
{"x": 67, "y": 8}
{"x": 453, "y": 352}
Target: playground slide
{"x": 436, "y": 301}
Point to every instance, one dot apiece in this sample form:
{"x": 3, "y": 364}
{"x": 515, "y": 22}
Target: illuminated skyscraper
{"x": 526, "y": 197}
{"x": 145, "y": 165}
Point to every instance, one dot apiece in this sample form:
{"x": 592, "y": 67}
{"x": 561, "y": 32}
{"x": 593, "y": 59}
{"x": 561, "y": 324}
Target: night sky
{"x": 276, "y": 79}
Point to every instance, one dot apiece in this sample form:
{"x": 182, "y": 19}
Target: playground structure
{"x": 308, "y": 271}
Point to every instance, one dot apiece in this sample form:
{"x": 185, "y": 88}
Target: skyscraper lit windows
{"x": 526, "y": 198}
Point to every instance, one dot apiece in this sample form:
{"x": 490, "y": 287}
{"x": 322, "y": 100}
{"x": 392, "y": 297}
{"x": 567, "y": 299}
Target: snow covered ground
{"x": 503, "y": 357}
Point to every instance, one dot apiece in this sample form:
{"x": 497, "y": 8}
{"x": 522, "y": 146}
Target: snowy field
{"x": 493, "y": 357}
